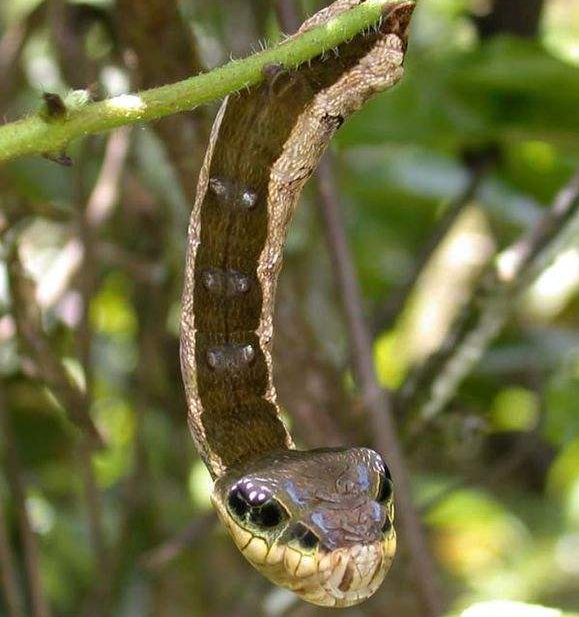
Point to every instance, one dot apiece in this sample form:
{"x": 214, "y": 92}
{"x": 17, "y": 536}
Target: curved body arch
{"x": 319, "y": 523}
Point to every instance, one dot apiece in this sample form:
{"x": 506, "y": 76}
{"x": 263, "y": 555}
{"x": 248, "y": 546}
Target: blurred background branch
{"x": 10, "y": 584}
{"x": 38, "y": 602}
{"x": 376, "y": 399}
{"x": 46, "y": 364}
{"x": 493, "y": 301}
{"x": 183, "y": 135}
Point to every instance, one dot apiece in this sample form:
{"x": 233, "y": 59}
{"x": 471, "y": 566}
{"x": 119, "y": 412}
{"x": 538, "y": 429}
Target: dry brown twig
{"x": 309, "y": 384}
{"x": 159, "y": 557}
{"x": 92, "y": 212}
{"x": 519, "y": 17}
{"x": 68, "y": 36}
{"x": 12, "y": 43}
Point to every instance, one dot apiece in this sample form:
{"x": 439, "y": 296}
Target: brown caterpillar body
{"x": 319, "y": 523}
{"x": 264, "y": 145}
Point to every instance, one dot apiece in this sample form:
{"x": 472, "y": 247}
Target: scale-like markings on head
{"x": 319, "y": 523}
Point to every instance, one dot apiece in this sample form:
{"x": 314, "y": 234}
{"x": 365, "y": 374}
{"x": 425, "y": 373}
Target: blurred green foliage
{"x": 510, "y": 534}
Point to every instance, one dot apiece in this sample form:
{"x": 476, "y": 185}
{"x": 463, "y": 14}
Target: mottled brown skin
{"x": 265, "y": 144}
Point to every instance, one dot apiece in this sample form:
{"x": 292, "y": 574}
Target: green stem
{"x": 37, "y": 134}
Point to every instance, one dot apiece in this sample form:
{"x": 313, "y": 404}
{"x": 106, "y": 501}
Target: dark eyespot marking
{"x": 237, "y": 503}
{"x": 385, "y": 489}
{"x": 225, "y": 283}
{"x": 231, "y": 358}
{"x": 268, "y": 515}
{"x": 232, "y": 194}
{"x": 251, "y": 501}
{"x": 305, "y": 536}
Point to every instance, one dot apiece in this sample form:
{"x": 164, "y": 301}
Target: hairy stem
{"x": 37, "y": 134}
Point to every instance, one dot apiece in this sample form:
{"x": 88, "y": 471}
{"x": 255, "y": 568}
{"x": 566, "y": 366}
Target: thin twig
{"x": 375, "y": 398}
{"x": 288, "y": 15}
{"x": 309, "y": 384}
{"x": 105, "y": 194}
{"x": 523, "y": 448}
{"x": 518, "y": 17}
{"x": 135, "y": 266}
{"x": 159, "y": 557}
{"x": 78, "y": 68}
{"x": 398, "y": 300}
{"x": 48, "y": 365}
{"x": 9, "y": 578}
{"x": 91, "y": 213}
{"x": 537, "y": 248}
{"x": 484, "y": 476}
{"x": 93, "y": 501}
{"x": 182, "y": 134}
{"x": 12, "y": 44}
{"x": 38, "y": 602}
{"x": 433, "y": 385}
{"x": 100, "y": 207}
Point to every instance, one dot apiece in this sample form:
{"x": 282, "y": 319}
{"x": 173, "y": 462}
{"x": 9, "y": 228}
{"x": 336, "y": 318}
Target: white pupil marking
{"x": 248, "y": 198}
{"x": 247, "y": 353}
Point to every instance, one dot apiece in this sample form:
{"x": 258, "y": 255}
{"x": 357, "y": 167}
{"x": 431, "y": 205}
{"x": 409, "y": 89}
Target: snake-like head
{"x": 319, "y": 523}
